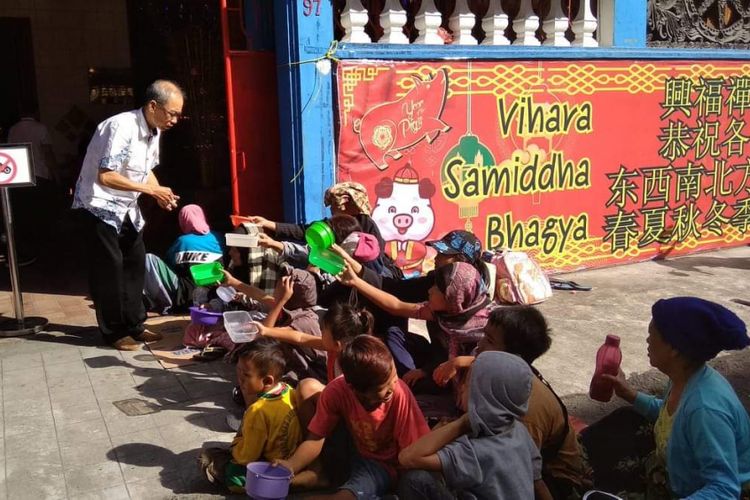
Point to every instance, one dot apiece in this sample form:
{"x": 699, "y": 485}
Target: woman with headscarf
{"x": 168, "y": 285}
{"x": 701, "y": 430}
{"x": 456, "y": 312}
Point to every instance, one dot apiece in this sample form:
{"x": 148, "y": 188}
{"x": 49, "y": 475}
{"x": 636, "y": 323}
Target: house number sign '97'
{"x": 311, "y": 6}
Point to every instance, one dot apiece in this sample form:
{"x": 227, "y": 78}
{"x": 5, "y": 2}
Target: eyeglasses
{"x": 170, "y": 114}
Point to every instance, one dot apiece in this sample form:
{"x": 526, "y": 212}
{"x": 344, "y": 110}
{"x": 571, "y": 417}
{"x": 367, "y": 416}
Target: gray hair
{"x": 161, "y": 90}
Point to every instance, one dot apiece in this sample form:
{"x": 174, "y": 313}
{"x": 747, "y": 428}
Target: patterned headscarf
{"x": 469, "y": 305}
{"x": 353, "y": 192}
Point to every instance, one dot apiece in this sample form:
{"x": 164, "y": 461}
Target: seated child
{"x": 168, "y": 284}
{"x": 522, "y": 330}
{"x": 339, "y": 323}
{"x": 379, "y": 412}
{"x": 456, "y": 311}
{"x": 295, "y": 296}
{"x": 270, "y": 428}
{"x": 488, "y": 452}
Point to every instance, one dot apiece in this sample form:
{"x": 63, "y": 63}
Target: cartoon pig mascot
{"x": 405, "y": 217}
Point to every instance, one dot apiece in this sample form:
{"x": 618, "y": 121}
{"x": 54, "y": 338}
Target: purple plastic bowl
{"x": 266, "y": 482}
{"x": 204, "y": 316}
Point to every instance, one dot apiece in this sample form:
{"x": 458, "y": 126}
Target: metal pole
{"x": 12, "y": 266}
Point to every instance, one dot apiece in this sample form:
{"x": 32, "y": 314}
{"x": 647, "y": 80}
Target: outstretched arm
{"x": 291, "y": 336}
{"x": 383, "y": 300}
{"x": 251, "y": 291}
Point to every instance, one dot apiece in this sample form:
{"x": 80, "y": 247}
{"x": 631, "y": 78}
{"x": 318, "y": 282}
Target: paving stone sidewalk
{"x": 63, "y": 436}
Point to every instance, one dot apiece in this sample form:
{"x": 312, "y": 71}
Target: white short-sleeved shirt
{"x": 28, "y": 130}
{"x": 123, "y": 144}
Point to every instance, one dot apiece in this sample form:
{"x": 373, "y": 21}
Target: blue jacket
{"x": 708, "y": 452}
{"x": 191, "y": 248}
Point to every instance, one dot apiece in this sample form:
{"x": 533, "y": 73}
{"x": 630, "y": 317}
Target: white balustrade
{"x": 354, "y": 19}
{"x": 461, "y": 23}
{"x": 428, "y": 21}
{"x": 525, "y": 25}
{"x": 494, "y": 24}
{"x": 392, "y": 20}
{"x": 555, "y": 24}
{"x": 584, "y": 26}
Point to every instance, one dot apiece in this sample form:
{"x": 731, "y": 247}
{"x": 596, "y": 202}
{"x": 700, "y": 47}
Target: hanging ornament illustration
{"x": 469, "y": 154}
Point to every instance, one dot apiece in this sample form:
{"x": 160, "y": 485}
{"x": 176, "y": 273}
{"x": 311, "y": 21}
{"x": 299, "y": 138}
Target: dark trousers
{"x": 411, "y": 351}
{"x": 423, "y": 485}
{"x": 117, "y": 265}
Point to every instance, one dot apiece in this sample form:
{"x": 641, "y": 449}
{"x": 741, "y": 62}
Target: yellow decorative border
{"x": 582, "y": 253}
{"x": 515, "y": 79}
{"x": 350, "y": 78}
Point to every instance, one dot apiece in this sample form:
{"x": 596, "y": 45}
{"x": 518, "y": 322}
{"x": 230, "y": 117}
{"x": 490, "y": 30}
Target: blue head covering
{"x": 697, "y": 328}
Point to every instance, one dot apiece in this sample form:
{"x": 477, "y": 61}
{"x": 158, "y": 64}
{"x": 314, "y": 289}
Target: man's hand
{"x": 413, "y": 376}
{"x": 284, "y": 290}
{"x": 164, "y": 197}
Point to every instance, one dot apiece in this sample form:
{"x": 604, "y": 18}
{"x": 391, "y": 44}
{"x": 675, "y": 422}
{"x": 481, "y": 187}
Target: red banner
{"x": 581, "y": 164}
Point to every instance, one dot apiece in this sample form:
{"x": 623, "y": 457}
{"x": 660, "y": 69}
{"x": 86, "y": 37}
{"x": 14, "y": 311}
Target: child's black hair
{"x": 266, "y": 355}
{"x": 525, "y": 331}
{"x": 346, "y": 321}
{"x": 343, "y": 225}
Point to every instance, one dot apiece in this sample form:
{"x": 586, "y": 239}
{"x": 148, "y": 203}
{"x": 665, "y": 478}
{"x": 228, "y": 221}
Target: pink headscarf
{"x": 193, "y": 220}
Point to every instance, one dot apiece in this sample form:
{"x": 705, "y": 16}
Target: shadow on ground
{"x": 693, "y": 264}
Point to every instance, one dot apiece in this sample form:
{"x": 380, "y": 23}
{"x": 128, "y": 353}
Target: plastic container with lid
{"x": 608, "y": 359}
{"x": 226, "y": 293}
{"x": 241, "y": 240}
{"x": 207, "y": 274}
{"x": 240, "y": 326}
{"x": 320, "y": 237}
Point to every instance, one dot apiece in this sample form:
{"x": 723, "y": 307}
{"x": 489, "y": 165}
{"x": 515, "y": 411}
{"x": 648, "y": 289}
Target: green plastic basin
{"x": 326, "y": 261}
{"x": 207, "y": 274}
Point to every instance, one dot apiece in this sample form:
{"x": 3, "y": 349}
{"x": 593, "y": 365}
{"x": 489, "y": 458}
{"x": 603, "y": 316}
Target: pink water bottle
{"x": 608, "y": 359}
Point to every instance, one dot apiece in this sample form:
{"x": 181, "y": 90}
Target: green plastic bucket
{"x": 207, "y": 274}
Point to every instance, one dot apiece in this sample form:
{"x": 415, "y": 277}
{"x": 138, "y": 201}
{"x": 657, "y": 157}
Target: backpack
{"x": 519, "y": 279}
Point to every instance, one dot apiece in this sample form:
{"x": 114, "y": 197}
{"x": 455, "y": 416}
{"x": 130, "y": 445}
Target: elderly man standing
{"x": 116, "y": 170}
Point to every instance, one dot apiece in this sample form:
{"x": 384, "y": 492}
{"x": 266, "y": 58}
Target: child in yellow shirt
{"x": 270, "y": 428}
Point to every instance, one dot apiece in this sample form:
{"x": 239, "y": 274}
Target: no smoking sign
{"x": 8, "y": 168}
{"x": 16, "y": 167}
